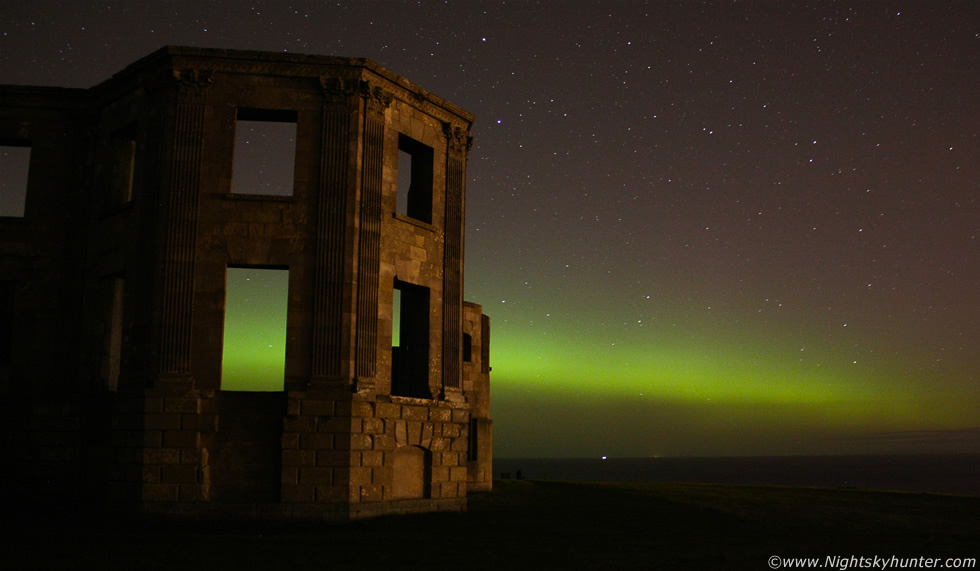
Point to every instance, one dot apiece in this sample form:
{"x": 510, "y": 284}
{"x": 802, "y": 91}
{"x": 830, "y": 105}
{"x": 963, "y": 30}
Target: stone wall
{"x": 476, "y": 384}
{"x": 345, "y": 451}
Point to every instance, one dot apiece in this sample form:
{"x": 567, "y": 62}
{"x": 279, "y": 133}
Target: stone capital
{"x": 457, "y": 137}
{"x": 194, "y": 78}
{"x": 375, "y": 96}
{"x": 338, "y": 89}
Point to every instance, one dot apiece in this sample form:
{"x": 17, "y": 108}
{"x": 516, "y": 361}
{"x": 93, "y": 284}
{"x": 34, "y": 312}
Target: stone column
{"x": 458, "y": 141}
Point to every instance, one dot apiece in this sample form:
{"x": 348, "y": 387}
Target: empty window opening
{"x": 265, "y": 153}
{"x": 254, "y": 353}
{"x": 7, "y": 332}
{"x": 414, "y": 179}
{"x": 14, "y": 165}
{"x": 396, "y": 316}
{"x": 410, "y": 341}
{"x": 121, "y": 167}
{"x": 472, "y": 453}
{"x": 467, "y": 347}
{"x": 484, "y": 344}
{"x": 113, "y": 333}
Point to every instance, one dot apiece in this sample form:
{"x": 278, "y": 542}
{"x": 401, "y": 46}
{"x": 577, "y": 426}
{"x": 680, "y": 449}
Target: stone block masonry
{"x": 330, "y": 456}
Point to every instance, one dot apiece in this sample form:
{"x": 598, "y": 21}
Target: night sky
{"x": 699, "y": 228}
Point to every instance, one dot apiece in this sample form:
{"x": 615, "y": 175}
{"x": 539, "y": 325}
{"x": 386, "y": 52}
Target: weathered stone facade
{"x": 113, "y": 292}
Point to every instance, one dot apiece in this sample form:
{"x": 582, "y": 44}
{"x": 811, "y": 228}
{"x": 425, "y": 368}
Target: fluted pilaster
{"x": 180, "y": 215}
{"x": 369, "y": 240}
{"x": 340, "y": 107}
{"x": 458, "y": 141}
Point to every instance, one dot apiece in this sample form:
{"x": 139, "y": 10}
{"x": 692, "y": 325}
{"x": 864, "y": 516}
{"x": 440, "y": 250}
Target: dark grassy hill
{"x": 536, "y": 525}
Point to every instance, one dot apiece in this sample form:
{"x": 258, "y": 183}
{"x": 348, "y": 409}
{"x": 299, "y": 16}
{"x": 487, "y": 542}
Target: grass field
{"x": 536, "y": 525}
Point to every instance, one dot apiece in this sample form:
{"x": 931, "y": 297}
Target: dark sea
{"x": 937, "y": 473}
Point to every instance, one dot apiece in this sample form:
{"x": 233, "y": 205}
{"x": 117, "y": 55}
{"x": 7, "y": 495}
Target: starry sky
{"x": 700, "y": 228}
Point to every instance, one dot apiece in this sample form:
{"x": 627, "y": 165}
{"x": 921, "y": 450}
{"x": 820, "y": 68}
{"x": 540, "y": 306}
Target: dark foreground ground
{"x": 536, "y": 525}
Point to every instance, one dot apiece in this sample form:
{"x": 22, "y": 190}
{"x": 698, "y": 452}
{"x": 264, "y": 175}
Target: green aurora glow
{"x": 706, "y": 389}
{"x": 254, "y": 354}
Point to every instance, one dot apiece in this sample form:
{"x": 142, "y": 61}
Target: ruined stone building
{"x": 231, "y": 285}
